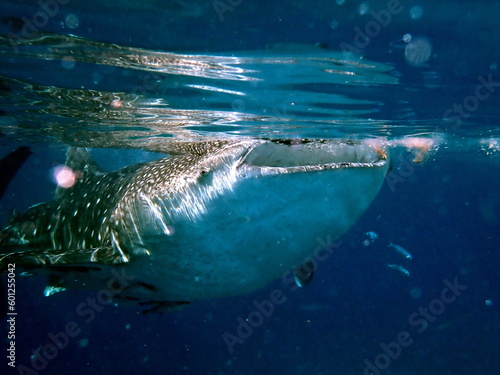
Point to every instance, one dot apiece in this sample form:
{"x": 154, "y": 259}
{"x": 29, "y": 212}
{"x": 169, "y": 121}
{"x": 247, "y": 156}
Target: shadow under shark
{"x": 213, "y": 219}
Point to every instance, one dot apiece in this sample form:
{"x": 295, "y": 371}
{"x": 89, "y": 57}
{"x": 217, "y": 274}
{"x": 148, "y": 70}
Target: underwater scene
{"x": 243, "y": 187}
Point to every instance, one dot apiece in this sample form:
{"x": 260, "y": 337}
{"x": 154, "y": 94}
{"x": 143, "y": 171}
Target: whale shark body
{"x": 213, "y": 219}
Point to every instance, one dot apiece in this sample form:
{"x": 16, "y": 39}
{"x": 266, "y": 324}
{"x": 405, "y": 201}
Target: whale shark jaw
{"x": 214, "y": 219}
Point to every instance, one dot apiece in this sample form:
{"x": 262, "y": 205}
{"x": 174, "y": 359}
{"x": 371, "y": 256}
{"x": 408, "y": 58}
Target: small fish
{"x": 401, "y": 250}
{"x": 372, "y": 235}
{"x": 399, "y": 268}
{"x": 304, "y": 274}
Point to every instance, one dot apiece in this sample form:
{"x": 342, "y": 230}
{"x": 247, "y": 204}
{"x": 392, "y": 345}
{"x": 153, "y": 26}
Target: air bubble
{"x": 238, "y": 105}
{"x": 334, "y": 25}
{"x": 72, "y": 21}
{"x": 364, "y": 8}
{"x": 68, "y": 62}
{"x": 416, "y": 12}
{"x": 415, "y": 292}
{"x": 407, "y": 38}
{"x": 418, "y": 51}
{"x": 96, "y": 78}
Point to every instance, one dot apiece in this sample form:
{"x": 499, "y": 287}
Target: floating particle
{"x": 372, "y": 235}
{"x": 96, "y": 78}
{"x": 8, "y": 125}
{"x": 83, "y": 343}
{"x": 340, "y": 2}
{"x": 72, "y": 21}
{"x": 68, "y": 62}
{"x": 238, "y": 105}
{"x": 416, "y": 12}
{"x": 415, "y": 292}
{"x": 363, "y": 9}
{"x": 64, "y": 176}
{"x": 127, "y": 326}
{"x": 418, "y": 51}
{"x": 334, "y": 25}
{"x": 407, "y": 38}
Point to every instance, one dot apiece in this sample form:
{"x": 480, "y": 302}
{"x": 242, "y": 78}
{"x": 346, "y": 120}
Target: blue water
{"x": 445, "y": 211}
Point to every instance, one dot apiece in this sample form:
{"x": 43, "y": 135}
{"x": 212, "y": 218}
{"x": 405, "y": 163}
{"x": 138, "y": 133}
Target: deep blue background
{"x": 447, "y": 214}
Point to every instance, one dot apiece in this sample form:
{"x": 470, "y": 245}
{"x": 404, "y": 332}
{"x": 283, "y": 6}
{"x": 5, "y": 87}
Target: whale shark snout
{"x": 213, "y": 219}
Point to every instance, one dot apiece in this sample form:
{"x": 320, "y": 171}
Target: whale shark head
{"x": 214, "y": 219}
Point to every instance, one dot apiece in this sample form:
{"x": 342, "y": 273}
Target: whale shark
{"x": 212, "y": 219}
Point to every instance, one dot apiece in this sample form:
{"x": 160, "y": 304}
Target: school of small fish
{"x": 374, "y": 236}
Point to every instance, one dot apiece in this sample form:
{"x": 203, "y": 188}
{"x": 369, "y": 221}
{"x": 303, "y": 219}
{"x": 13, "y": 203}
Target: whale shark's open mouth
{"x": 283, "y": 156}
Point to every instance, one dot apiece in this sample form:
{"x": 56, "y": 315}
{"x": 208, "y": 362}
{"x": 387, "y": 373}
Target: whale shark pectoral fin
{"x": 304, "y": 274}
{"x": 29, "y": 258}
